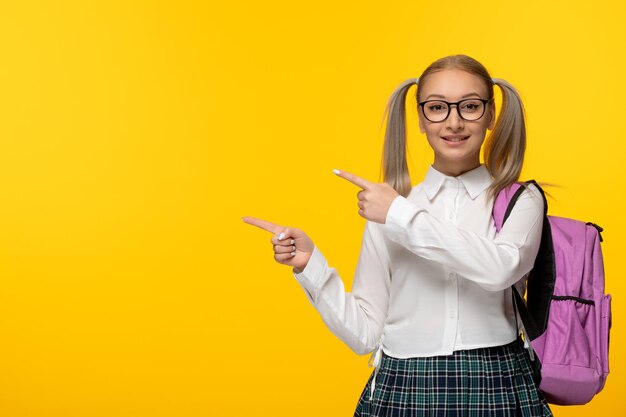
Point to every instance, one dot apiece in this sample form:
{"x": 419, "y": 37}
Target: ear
{"x": 420, "y": 118}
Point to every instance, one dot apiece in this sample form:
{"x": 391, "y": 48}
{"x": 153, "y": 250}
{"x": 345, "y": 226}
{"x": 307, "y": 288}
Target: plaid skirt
{"x": 485, "y": 382}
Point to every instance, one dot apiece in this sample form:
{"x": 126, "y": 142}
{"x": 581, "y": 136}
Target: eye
{"x": 471, "y": 106}
{"x": 437, "y": 107}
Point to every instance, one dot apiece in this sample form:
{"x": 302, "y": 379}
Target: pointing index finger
{"x": 354, "y": 179}
{"x": 263, "y": 224}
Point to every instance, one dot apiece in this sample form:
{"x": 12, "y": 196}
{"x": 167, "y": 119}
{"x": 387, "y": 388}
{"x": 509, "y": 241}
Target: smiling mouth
{"x": 455, "y": 138}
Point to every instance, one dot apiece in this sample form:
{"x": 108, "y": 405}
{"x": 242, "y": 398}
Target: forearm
{"x": 494, "y": 264}
{"x": 353, "y": 319}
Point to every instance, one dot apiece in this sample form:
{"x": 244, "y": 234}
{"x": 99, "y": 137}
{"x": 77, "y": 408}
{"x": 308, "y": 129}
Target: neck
{"x": 455, "y": 170}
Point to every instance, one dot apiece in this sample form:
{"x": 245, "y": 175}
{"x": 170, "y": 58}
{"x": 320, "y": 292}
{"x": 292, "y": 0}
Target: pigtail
{"x": 394, "y": 160}
{"x": 505, "y": 147}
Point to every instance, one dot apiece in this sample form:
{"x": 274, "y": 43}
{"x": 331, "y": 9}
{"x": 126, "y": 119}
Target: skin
{"x": 293, "y": 247}
{"x": 455, "y": 158}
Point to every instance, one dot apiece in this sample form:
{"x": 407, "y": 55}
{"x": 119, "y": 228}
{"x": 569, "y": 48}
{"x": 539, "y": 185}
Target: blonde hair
{"x": 503, "y": 150}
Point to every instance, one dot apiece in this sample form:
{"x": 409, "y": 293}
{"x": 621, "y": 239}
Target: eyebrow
{"x": 442, "y": 97}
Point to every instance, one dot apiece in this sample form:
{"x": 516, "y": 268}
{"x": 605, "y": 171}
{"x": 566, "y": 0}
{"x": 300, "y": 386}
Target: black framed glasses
{"x": 470, "y": 109}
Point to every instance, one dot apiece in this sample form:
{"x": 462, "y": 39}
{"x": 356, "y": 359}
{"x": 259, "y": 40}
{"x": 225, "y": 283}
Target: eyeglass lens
{"x": 438, "y": 111}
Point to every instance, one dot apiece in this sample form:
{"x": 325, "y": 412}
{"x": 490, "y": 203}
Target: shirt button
{"x": 452, "y": 314}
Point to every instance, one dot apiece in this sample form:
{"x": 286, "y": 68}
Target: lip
{"x": 455, "y": 140}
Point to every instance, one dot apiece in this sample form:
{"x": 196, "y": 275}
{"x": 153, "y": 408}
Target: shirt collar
{"x": 475, "y": 181}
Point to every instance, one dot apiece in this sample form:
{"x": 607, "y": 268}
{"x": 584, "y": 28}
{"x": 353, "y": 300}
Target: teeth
{"x": 455, "y": 139}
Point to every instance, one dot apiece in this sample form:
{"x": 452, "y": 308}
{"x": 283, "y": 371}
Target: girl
{"x": 431, "y": 295}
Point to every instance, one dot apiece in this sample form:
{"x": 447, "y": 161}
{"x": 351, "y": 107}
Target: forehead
{"x": 452, "y": 84}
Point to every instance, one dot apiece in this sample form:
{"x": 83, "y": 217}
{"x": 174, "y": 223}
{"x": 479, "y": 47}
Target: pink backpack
{"x": 566, "y": 315}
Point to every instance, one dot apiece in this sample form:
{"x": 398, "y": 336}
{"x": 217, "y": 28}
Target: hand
{"x": 374, "y": 198}
{"x": 291, "y": 246}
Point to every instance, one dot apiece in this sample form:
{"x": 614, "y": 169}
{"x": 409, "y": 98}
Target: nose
{"x": 454, "y": 120}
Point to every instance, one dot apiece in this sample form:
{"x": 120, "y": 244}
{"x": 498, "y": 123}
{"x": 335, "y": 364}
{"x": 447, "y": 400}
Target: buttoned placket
{"x": 452, "y": 190}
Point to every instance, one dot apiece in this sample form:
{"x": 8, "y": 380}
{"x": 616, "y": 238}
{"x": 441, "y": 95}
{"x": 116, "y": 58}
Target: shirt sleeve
{"x": 494, "y": 264}
{"x": 356, "y": 317}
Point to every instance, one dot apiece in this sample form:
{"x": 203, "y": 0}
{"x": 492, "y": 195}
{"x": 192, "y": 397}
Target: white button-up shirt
{"x": 435, "y": 277}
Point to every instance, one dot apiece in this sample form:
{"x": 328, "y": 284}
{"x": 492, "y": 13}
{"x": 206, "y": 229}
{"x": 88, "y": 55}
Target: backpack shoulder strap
{"x": 506, "y": 198}
{"x": 541, "y": 280}
{"x": 543, "y": 195}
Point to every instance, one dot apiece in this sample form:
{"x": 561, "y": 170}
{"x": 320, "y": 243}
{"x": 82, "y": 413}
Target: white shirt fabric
{"x": 435, "y": 277}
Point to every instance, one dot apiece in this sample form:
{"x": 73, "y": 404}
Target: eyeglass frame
{"x": 458, "y": 109}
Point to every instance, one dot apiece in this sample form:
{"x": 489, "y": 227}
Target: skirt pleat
{"x": 485, "y": 382}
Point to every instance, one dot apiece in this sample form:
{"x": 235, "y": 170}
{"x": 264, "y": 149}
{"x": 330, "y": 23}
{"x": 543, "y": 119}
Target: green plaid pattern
{"x": 485, "y": 382}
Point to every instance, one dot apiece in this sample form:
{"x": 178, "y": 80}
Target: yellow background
{"x": 134, "y": 135}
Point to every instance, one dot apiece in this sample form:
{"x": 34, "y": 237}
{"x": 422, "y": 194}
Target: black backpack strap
{"x": 535, "y": 363}
{"x": 533, "y": 331}
{"x": 540, "y": 283}
{"x": 519, "y": 192}
{"x": 543, "y": 195}
{"x": 512, "y": 202}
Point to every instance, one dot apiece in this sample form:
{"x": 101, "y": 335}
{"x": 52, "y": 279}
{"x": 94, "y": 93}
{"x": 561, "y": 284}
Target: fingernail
{"x": 336, "y": 171}
{"x": 293, "y": 241}
{"x": 293, "y": 254}
{"x": 281, "y": 236}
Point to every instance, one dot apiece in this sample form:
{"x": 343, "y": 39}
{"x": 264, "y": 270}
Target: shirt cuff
{"x": 314, "y": 274}
{"x": 399, "y": 216}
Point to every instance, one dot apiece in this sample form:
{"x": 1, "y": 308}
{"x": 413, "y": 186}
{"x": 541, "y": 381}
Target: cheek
{"x": 480, "y": 133}
{"x": 481, "y": 128}
{"x": 427, "y": 127}
{"x": 431, "y": 144}
{"x": 432, "y": 136}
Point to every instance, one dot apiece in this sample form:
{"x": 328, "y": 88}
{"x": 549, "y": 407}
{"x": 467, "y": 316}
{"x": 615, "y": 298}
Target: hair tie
{"x": 416, "y": 81}
{"x": 493, "y": 80}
